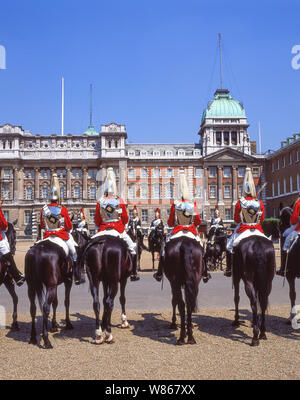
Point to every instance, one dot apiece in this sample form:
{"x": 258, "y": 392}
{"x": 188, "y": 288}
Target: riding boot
{"x": 78, "y": 273}
{"x": 134, "y": 276}
{"x": 228, "y": 264}
{"x": 206, "y": 275}
{"x": 16, "y": 274}
{"x": 159, "y": 274}
{"x": 281, "y": 271}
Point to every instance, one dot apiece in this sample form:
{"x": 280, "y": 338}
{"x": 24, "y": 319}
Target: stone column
{"x": 15, "y": 185}
{"x": 69, "y": 183}
{"x": 84, "y": 183}
{"x": 220, "y": 186}
{"x": 234, "y": 185}
{"x": 21, "y": 184}
{"x": 36, "y": 184}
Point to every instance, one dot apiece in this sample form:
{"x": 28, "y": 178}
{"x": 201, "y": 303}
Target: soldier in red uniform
{"x": 55, "y": 221}
{"x": 111, "y": 217}
{"x": 249, "y": 214}
{"x": 5, "y": 253}
{"x": 184, "y": 217}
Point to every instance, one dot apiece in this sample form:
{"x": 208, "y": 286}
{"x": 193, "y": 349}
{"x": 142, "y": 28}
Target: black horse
{"x": 184, "y": 267}
{"x": 5, "y": 276}
{"x": 293, "y": 258}
{"x": 215, "y": 247}
{"x": 137, "y": 237}
{"x": 155, "y": 241}
{"x": 107, "y": 259}
{"x": 254, "y": 263}
{"x": 46, "y": 267}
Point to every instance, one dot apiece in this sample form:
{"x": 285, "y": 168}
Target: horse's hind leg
{"x": 236, "y": 284}
{"x": 50, "y": 296}
{"x": 96, "y": 306}
{"x": 253, "y": 301}
{"x": 68, "y": 286}
{"x": 292, "y": 293}
{"x": 173, "y": 324}
{"x": 177, "y": 295}
{"x": 11, "y": 290}
{"x": 110, "y": 293}
{"x": 31, "y": 296}
{"x": 125, "y": 323}
{"x": 54, "y": 325}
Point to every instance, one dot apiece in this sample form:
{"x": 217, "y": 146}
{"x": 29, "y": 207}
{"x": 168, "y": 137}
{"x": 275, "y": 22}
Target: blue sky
{"x": 153, "y": 65}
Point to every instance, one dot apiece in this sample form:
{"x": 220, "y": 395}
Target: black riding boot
{"x": 134, "y": 276}
{"x": 228, "y": 264}
{"x": 159, "y": 274}
{"x": 206, "y": 275}
{"x": 16, "y": 274}
{"x": 78, "y": 273}
{"x": 281, "y": 271}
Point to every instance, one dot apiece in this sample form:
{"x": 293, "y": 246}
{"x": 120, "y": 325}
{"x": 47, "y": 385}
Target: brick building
{"x": 147, "y": 173}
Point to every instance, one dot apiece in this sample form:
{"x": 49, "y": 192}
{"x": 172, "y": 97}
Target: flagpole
{"x": 62, "y": 105}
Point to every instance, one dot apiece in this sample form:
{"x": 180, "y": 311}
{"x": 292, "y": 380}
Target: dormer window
{"x": 131, "y": 153}
{"x": 181, "y": 153}
{"x": 169, "y": 153}
{"x": 156, "y": 153}
{"x": 144, "y": 153}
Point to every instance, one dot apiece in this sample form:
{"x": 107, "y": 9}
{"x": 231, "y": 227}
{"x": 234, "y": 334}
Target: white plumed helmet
{"x": 184, "y": 189}
{"x": 110, "y": 186}
{"x": 248, "y": 185}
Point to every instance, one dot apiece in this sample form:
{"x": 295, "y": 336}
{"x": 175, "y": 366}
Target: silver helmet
{"x": 55, "y": 189}
{"x": 248, "y": 185}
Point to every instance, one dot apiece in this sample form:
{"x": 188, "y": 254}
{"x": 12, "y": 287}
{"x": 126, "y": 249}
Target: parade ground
{"x": 147, "y": 350}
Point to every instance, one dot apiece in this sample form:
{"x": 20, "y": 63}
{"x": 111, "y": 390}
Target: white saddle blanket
{"x": 248, "y": 233}
{"x": 111, "y": 232}
{"x": 185, "y": 234}
{"x": 60, "y": 242}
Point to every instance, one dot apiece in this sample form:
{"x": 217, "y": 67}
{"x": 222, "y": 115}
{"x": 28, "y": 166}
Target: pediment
{"x": 228, "y": 155}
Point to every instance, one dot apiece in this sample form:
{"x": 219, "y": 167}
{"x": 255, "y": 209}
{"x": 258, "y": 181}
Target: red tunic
{"x": 118, "y": 226}
{"x": 237, "y": 217}
{"x": 3, "y": 223}
{"x": 63, "y": 232}
{"x": 178, "y": 228}
{"x": 295, "y": 216}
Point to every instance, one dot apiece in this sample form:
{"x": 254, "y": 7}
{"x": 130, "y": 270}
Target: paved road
{"x": 146, "y": 294}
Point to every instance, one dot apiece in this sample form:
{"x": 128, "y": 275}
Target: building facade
{"x": 147, "y": 174}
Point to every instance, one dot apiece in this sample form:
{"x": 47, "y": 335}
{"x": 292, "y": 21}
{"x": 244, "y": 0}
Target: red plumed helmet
{"x": 135, "y": 211}
{"x": 157, "y": 211}
{"x": 82, "y": 213}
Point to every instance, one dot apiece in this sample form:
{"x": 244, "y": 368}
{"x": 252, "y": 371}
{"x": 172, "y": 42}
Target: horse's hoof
{"x": 99, "y": 340}
{"x": 54, "y": 329}
{"x": 172, "y": 326}
{"x": 48, "y": 346}
{"x": 69, "y": 326}
{"x": 125, "y": 326}
{"x": 32, "y": 341}
{"x": 289, "y": 322}
{"x": 191, "y": 340}
{"x": 111, "y": 341}
{"x": 236, "y": 324}
{"x": 262, "y": 336}
{"x": 255, "y": 342}
{"x": 180, "y": 342}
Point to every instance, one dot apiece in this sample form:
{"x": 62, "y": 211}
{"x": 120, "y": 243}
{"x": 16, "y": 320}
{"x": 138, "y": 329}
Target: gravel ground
{"x": 147, "y": 349}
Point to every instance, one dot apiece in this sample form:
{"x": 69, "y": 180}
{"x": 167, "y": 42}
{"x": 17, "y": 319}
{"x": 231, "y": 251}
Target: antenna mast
{"x": 91, "y": 109}
{"x": 259, "y": 137}
{"x": 221, "y": 67}
{"x": 62, "y": 105}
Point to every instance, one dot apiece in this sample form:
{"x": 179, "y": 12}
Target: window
{"x": 77, "y": 173}
{"x": 181, "y": 153}
{"x": 169, "y": 172}
{"x": 144, "y": 153}
{"x": 291, "y": 158}
{"x": 156, "y": 191}
{"x": 234, "y": 138}
{"x": 241, "y": 172}
{"x": 92, "y": 173}
{"x": 144, "y": 172}
{"x": 170, "y": 191}
{"x": 145, "y": 216}
{"x": 131, "y": 153}
{"x": 6, "y": 215}
{"x": 197, "y": 153}
{"x": 227, "y": 172}
{"x": 212, "y": 212}
{"x": 45, "y": 174}
{"x": 255, "y": 172}
{"x": 297, "y": 155}
{"x": 228, "y": 213}
{"x": 156, "y": 173}
{"x": 131, "y": 192}
{"x": 218, "y": 138}
{"x": 27, "y": 217}
{"x": 212, "y": 191}
{"x": 226, "y": 138}
{"x": 240, "y": 189}
{"x": 273, "y": 190}
{"x": 93, "y": 192}
{"x": 29, "y": 174}
{"x": 198, "y": 172}
{"x": 7, "y": 174}
{"x": 76, "y": 192}
{"x": 273, "y": 167}
{"x": 131, "y": 173}
{"x": 130, "y": 214}
{"x": 156, "y": 153}
{"x": 298, "y": 182}
{"x": 144, "y": 191}
{"x": 278, "y": 188}
{"x": 212, "y": 172}
{"x": 61, "y": 173}
{"x": 291, "y": 183}
{"x": 198, "y": 191}
{"x": 92, "y": 216}
{"x": 284, "y": 185}
{"x": 283, "y": 162}
{"x": 278, "y": 164}
{"x": 62, "y": 192}
{"x": 45, "y": 193}
{"x": 227, "y": 192}
{"x": 29, "y": 193}
{"x": 169, "y": 153}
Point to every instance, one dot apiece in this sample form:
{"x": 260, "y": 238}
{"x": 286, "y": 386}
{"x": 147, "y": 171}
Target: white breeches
{"x": 292, "y": 236}
{"x": 231, "y": 239}
{"x": 4, "y": 245}
{"x": 112, "y": 232}
{"x": 72, "y": 249}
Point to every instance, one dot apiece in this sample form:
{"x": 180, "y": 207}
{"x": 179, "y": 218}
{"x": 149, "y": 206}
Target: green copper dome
{"x": 91, "y": 131}
{"x": 223, "y": 105}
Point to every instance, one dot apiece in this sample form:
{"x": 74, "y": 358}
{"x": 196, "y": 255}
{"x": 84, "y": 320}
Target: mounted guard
{"x": 157, "y": 223}
{"x": 216, "y": 224}
{"x": 82, "y": 225}
{"x": 184, "y": 217}
{"x": 5, "y": 253}
{"x": 290, "y": 234}
{"x": 249, "y": 214}
{"x": 56, "y": 225}
{"x": 111, "y": 217}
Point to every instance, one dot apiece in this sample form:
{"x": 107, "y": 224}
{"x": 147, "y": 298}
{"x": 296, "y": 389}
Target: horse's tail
{"x": 261, "y": 276}
{"x": 33, "y": 277}
{"x": 190, "y": 285}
